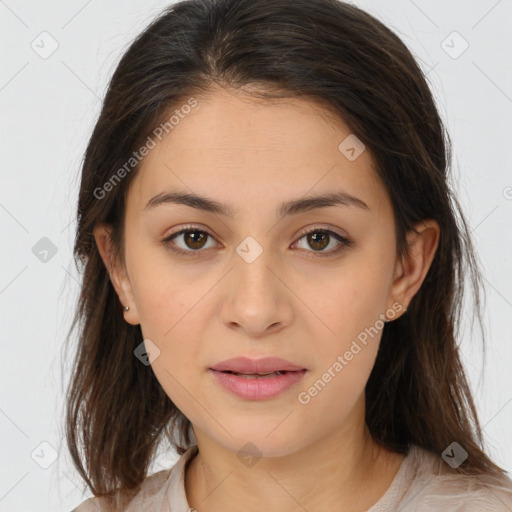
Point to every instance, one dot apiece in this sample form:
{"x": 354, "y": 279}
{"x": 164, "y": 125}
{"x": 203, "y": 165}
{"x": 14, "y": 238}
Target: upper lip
{"x": 247, "y": 365}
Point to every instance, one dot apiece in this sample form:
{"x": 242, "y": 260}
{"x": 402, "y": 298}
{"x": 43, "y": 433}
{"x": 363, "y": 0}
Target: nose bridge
{"x": 257, "y": 298}
{"x": 254, "y": 261}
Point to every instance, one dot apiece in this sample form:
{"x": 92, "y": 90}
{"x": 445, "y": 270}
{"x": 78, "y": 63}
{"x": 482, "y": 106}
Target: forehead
{"x": 239, "y": 149}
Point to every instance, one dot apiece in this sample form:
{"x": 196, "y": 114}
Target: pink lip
{"x": 265, "y": 364}
{"x": 257, "y": 388}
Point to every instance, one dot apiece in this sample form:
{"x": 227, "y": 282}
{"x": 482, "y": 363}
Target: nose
{"x": 258, "y": 300}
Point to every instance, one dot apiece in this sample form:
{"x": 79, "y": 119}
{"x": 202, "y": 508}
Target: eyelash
{"x": 345, "y": 242}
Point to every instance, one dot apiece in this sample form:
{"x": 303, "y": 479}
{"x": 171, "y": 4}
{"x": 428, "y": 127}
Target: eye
{"x": 319, "y": 238}
{"x": 194, "y": 239}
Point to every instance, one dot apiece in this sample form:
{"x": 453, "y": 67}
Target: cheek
{"x": 347, "y": 338}
{"x": 164, "y": 297}
{"x": 168, "y": 319}
{"x": 344, "y": 364}
{"x": 167, "y": 290}
{"x": 353, "y": 302}
{"x": 172, "y": 316}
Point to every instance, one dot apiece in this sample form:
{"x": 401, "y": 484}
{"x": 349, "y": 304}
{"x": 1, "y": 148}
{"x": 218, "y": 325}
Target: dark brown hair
{"x": 346, "y": 60}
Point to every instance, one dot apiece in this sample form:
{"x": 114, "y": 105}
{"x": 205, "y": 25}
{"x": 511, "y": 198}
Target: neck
{"x": 345, "y": 470}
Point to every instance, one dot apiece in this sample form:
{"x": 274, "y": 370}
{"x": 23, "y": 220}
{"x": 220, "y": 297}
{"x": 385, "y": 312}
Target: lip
{"x": 257, "y": 388}
{"x": 247, "y": 365}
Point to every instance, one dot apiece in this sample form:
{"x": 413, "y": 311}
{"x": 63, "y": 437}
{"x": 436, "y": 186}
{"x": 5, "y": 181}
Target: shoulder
{"x": 437, "y": 487}
{"x": 149, "y": 487}
{"x": 463, "y": 493}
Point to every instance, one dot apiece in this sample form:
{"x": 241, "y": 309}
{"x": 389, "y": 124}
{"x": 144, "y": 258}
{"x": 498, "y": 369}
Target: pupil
{"x": 197, "y": 239}
{"x": 315, "y": 236}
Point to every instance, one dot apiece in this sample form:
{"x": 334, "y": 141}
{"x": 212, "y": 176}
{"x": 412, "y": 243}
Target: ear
{"x": 410, "y": 271}
{"x": 117, "y": 272}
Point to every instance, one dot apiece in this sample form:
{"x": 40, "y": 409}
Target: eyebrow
{"x": 292, "y": 207}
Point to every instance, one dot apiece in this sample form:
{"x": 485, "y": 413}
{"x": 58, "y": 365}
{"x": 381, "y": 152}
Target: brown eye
{"x": 189, "y": 241}
{"x": 194, "y": 239}
{"x": 320, "y": 239}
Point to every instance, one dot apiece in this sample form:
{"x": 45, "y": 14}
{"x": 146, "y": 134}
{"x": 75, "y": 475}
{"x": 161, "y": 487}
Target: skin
{"x": 289, "y": 302}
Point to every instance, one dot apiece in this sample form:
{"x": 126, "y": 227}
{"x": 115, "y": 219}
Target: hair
{"x": 350, "y": 63}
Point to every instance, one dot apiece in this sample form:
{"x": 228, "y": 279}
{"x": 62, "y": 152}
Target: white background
{"x": 49, "y": 107}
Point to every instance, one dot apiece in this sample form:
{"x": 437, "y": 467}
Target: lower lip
{"x": 257, "y": 388}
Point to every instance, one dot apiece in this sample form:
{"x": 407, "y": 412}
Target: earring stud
{"x": 126, "y": 308}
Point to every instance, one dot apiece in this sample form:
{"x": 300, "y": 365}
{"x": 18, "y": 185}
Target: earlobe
{"x": 411, "y": 270}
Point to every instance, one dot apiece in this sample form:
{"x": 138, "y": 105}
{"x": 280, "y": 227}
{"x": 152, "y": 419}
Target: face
{"x": 310, "y": 285}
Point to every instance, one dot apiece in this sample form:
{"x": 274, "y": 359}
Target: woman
{"x": 273, "y": 274}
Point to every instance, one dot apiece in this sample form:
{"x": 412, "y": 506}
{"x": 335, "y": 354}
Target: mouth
{"x": 258, "y": 386}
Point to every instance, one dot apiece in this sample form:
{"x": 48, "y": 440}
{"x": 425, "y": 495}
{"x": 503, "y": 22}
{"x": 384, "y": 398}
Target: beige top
{"x": 421, "y": 484}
